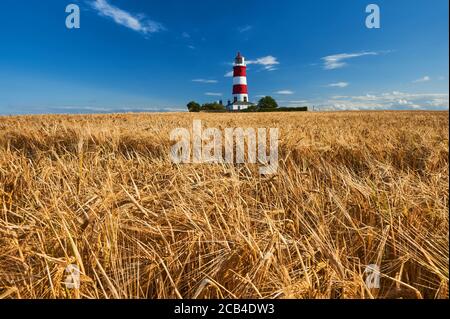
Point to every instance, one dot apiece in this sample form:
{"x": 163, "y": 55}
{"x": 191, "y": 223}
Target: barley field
{"x": 100, "y": 192}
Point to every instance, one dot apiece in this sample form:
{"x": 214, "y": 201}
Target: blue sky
{"x": 132, "y": 55}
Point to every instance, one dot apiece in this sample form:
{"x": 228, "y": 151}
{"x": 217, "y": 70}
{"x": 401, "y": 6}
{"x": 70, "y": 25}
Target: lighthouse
{"x": 240, "y": 89}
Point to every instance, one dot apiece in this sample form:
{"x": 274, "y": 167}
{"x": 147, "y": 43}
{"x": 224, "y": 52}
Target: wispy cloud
{"x": 213, "y": 94}
{"x": 339, "y": 85}
{"x": 297, "y": 102}
{"x": 139, "y": 23}
{"x": 204, "y": 81}
{"x": 439, "y": 102}
{"x": 424, "y": 79}
{"x": 268, "y": 62}
{"x": 229, "y": 74}
{"x": 285, "y": 92}
{"x": 245, "y": 28}
{"x": 385, "y": 101}
{"x": 187, "y": 39}
{"x": 338, "y": 61}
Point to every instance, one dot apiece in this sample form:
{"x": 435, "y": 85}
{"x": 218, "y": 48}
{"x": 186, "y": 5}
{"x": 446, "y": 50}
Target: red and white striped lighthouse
{"x": 240, "y": 89}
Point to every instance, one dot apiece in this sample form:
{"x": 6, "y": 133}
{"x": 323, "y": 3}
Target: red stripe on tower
{"x": 240, "y": 71}
{"x": 240, "y": 89}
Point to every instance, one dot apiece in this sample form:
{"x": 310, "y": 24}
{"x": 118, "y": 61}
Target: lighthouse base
{"x": 238, "y": 106}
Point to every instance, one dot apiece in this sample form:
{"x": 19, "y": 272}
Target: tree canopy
{"x": 193, "y": 107}
{"x": 213, "y": 107}
{"x": 267, "y": 102}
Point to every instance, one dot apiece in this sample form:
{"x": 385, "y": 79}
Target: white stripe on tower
{"x": 241, "y": 97}
{"x": 240, "y": 80}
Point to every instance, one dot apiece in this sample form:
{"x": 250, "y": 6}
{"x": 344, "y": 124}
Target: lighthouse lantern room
{"x": 240, "y": 89}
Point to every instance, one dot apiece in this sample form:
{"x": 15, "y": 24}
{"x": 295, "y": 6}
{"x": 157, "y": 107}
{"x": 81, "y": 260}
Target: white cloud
{"x": 426, "y": 78}
{"x": 213, "y": 94}
{"x": 186, "y": 35}
{"x": 297, "y": 102}
{"x": 191, "y": 47}
{"x": 139, "y": 23}
{"x": 437, "y": 102}
{"x": 245, "y": 28}
{"x": 268, "y": 62}
{"x": 337, "y": 61}
{"x": 204, "y": 81}
{"x": 285, "y": 92}
{"x": 386, "y": 101}
{"x": 339, "y": 84}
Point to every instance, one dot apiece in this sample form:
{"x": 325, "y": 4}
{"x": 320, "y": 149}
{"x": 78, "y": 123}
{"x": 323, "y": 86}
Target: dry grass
{"x": 100, "y": 191}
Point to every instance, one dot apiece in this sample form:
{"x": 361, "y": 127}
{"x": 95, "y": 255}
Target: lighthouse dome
{"x": 240, "y": 60}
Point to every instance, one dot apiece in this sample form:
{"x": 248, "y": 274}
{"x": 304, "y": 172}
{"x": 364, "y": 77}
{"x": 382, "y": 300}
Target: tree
{"x": 252, "y": 108}
{"x": 213, "y": 107}
{"x": 267, "y": 102}
{"x": 193, "y": 107}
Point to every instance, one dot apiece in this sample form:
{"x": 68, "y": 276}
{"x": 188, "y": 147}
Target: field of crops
{"x": 100, "y": 192}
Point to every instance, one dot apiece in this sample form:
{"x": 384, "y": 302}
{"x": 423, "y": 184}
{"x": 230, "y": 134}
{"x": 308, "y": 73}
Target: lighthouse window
{"x": 235, "y": 99}
{"x": 245, "y": 99}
